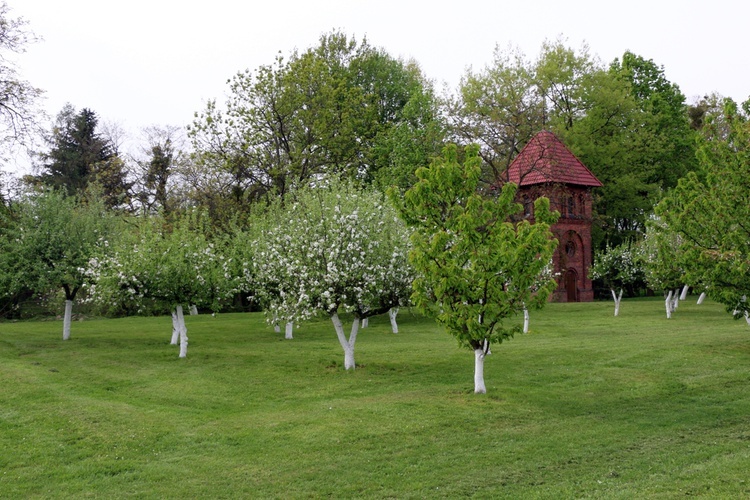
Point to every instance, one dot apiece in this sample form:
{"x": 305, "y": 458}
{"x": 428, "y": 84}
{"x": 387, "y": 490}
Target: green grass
{"x": 586, "y": 405}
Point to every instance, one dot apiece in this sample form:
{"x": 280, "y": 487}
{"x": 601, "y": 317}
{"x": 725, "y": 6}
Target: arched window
{"x": 570, "y": 248}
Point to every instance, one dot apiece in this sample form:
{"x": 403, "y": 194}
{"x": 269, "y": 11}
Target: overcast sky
{"x": 156, "y": 62}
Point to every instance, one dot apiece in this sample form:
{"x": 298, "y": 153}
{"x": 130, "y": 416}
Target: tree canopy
{"x": 476, "y": 266}
{"x": 709, "y": 210}
{"x": 341, "y": 108}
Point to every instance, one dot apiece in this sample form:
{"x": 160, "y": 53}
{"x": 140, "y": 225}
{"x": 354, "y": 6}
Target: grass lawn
{"x": 586, "y": 405}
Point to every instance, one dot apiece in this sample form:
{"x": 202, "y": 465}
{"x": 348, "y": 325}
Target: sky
{"x": 139, "y": 63}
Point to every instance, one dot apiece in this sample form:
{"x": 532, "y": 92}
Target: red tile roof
{"x": 545, "y": 159}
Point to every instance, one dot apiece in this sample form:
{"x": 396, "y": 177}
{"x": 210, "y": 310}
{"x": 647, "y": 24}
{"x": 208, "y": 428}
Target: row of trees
{"x": 699, "y": 234}
{"x": 332, "y": 247}
{"x": 280, "y": 196}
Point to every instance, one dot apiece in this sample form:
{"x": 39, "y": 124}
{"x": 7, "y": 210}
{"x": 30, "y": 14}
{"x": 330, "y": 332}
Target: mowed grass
{"x": 586, "y": 405}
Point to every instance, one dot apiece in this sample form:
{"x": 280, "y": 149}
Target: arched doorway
{"x": 571, "y": 285}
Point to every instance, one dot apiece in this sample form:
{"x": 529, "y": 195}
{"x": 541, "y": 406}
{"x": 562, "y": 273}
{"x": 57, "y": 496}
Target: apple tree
{"x": 335, "y": 248}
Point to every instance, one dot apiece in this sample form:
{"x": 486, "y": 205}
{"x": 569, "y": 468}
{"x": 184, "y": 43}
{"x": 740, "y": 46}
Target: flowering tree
{"x": 48, "y": 243}
{"x": 476, "y": 267}
{"x": 335, "y": 248}
{"x": 617, "y": 267}
{"x": 172, "y": 268}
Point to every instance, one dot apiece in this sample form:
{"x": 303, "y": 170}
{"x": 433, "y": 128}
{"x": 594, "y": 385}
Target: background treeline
{"x": 347, "y": 110}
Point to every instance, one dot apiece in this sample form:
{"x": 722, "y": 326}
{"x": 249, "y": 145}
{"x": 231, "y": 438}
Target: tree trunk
{"x": 668, "y": 304}
{"x": 289, "y": 329}
{"x": 479, "y": 356}
{"x": 365, "y": 323}
{"x": 675, "y": 299}
{"x": 525, "y": 319}
{"x": 175, "y": 329}
{"x": 193, "y": 310}
{"x": 701, "y": 298}
{"x": 67, "y": 319}
{"x": 183, "y": 332}
{"x": 684, "y": 293}
{"x": 392, "y": 313}
{"x": 618, "y": 299}
{"x": 348, "y": 345}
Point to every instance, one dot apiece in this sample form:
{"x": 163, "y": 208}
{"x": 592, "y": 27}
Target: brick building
{"x": 545, "y": 167}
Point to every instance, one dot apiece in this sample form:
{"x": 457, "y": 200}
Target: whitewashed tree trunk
{"x": 365, "y": 322}
{"x": 684, "y": 293}
{"x": 193, "y": 310}
{"x": 67, "y": 319}
{"x": 668, "y": 304}
{"x": 675, "y": 299}
{"x": 747, "y": 318}
{"x": 701, "y": 298}
{"x": 392, "y": 313}
{"x": 618, "y": 299}
{"x": 479, "y": 387}
{"x": 348, "y": 345}
{"x": 525, "y": 319}
{"x": 175, "y": 329}
{"x": 288, "y": 334}
{"x": 183, "y": 332}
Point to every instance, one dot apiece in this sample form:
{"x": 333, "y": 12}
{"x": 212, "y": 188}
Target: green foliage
{"x": 709, "y": 209}
{"x": 48, "y": 243}
{"x": 341, "y": 108}
{"x": 662, "y": 255}
{"x": 627, "y": 123}
{"x": 79, "y": 156}
{"x": 498, "y": 108}
{"x": 170, "y": 266}
{"x": 476, "y": 267}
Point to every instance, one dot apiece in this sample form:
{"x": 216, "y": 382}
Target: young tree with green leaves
{"x": 709, "y": 210}
{"x": 335, "y": 248}
{"x": 476, "y": 266}
{"x": 49, "y": 243}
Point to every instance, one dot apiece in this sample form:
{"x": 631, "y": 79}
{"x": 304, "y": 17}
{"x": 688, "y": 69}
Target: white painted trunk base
{"x": 67, "y": 319}
{"x": 392, "y": 313}
{"x": 175, "y": 329}
{"x": 668, "y": 304}
{"x": 618, "y": 300}
{"x": 675, "y": 299}
{"x": 526, "y": 319}
{"x": 684, "y": 293}
{"x": 288, "y": 332}
{"x": 479, "y": 387}
{"x": 365, "y": 323}
{"x": 701, "y": 298}
{"x": 346, "y": 344}
{"x": 193, "y": 310}
{"x": 183, "y": 332}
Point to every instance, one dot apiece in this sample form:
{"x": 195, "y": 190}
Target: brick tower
{"x": 545, "y": 167}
